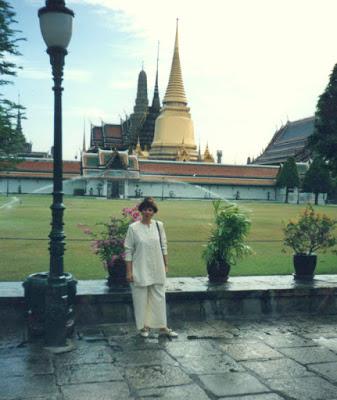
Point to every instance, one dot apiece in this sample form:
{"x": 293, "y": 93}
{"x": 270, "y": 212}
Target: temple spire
{"x": 174, "y": 133}
{"x": 141, "y": 99}
{"x": 156, "y": 100}
{"x": 18, "y": 128}
{"x": 84, "y": 145}
{"x": 175, "y": 92}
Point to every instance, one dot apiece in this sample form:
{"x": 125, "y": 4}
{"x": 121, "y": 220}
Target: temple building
{"x": 288, "y": 141}
{"x": 165, "y": 133}
{"x": 152, "y": 152}
{"x": 138, "y": 127}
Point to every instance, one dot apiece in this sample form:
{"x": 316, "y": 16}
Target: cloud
{"x": 123, "y": 84}
{"x": 34, "y": 73}
{"x": 93, "y": 114}
{"x": 75, "y": 75}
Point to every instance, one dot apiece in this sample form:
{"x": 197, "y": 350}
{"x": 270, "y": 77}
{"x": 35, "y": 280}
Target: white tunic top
{"x": 142, "y": 247}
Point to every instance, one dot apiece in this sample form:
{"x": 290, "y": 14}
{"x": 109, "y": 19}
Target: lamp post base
{"x": 50, "y": 307}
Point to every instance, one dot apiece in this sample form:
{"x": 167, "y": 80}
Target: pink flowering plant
{"x": 108, "y": 243}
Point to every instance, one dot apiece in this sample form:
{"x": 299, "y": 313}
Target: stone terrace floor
{"x": 265, "y": 359}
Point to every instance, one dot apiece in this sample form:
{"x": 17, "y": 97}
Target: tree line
{"x": 317, "y": 178}
{"x": 12, "y": 140}
{"x": 321, "y": 176}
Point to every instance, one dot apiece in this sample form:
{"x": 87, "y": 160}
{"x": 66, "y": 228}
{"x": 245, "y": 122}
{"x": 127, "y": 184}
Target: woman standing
{"x": 146, "y": 266}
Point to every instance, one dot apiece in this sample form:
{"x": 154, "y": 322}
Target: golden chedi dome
{"x": 174, "y": 126}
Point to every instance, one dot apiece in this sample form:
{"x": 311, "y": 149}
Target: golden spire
{"x": 138, "y": 149}
{"x": 175, "y": 90}
{"x": 208, "y": 156}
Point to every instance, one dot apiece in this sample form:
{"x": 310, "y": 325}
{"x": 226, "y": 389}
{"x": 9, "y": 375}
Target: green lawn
{"x": 187, "y": 225}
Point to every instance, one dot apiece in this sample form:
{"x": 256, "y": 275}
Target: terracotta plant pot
{"x": 218, "y": 272}
{"x": 117, "y": 274}
{"x": 304, "y": 265}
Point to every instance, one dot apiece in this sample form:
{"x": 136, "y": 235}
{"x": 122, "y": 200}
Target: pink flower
{"x": 136, "y": 215}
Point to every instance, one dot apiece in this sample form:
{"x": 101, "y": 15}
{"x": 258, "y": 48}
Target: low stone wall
{"x": 194, "y": 299}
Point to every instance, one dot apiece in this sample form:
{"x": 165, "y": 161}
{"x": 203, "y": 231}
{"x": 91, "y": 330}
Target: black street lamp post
{"x": 57, "y": 288}
{"x": 56, "y": 28}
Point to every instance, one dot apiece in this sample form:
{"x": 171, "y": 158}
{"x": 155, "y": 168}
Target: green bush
{"x": 228, "y": 236}
{"x": 311, "y": 232}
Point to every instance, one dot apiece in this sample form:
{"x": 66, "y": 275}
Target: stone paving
{"x": 263, "y": 359}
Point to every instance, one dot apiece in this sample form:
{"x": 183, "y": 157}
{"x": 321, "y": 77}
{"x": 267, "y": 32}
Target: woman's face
{"x": 147, "y": 213}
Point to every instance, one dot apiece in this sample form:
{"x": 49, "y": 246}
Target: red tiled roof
{"x": 33, "y": 175}
{"x": 112, "y": 131}
{"x": 69, "y": 167}
{"x": 215, "y": 170}
{"x": 203, "y": 180}
{"x": 97, "y": 132}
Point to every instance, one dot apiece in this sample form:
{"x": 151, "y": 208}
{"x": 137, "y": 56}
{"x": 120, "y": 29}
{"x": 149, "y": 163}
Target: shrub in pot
{"x": 227, "y": 241}
{"x": 311, "y": 232}
{"x": 108, "y": 244}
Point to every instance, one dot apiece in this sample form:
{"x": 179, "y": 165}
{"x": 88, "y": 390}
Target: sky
{"x": 248, "y": 67}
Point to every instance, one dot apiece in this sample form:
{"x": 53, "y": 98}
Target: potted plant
{"x": 227, "y": 241}
{"x": 108, "y": 244}
{"x": 311, "y": 232}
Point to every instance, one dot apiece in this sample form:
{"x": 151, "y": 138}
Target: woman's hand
{"x": 129, "y": 274}
{"x": 129, "y": 277}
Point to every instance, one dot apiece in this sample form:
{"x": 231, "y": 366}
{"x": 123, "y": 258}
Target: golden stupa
{"x": 174, "y": 132}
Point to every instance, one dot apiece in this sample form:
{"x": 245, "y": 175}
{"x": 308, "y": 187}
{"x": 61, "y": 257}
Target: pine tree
{"x": 287, "y": 176}
{"x": 11, "y": 141}
{"x": 323, "y": 141}
{"x": 317, "y": 179}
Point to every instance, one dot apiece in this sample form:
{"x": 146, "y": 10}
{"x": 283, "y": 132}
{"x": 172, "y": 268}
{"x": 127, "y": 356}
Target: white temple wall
{"x": 36, "y": 186}
{"x": 185, "y": 190}
{"x": 99, "y": 187}
{"x": 295, "y": 197}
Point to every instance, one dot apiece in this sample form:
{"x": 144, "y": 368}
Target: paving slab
{"x": 269, "y": 396}
{"x": 326, "y": 370}
{"x": 87, "y": 373}
{"x": 27, "y": 386}
{"x": 330, "y": 343}
{"x": 97, "y": 391}
{"x": 308, "y": 388}
{"x": 156, "y": 376}
{"x": 280, "y": 368}
{"x": 190, "y": 348}
{"x": 249, "y": 351}
{"x": 309, "y": 355}
{"x": 142, "y": 358}
{"x": 213, "y": 363}
{"x": 85, "y": 354}
{"x": 25, "y": 364}
{"x": 183, "y": 392}
{"x": 287, "y": 340}
{"x": 229, "y": 384}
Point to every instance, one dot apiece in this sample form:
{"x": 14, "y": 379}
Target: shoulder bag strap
{"x": 161, "y": 246}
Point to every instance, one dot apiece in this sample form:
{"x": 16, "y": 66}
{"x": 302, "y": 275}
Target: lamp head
{"x": 56, "y": 22}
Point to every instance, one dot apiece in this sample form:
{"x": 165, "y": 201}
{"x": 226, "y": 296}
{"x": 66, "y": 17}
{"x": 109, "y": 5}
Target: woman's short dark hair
{"x": 148, "y": 202}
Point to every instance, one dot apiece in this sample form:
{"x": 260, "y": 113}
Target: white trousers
{"x": 149, "y": 305}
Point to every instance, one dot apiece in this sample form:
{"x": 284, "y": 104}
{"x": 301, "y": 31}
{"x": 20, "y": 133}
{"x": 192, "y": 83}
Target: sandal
{"x": 144, "y": 333}
{"x": 168, "y": 332}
